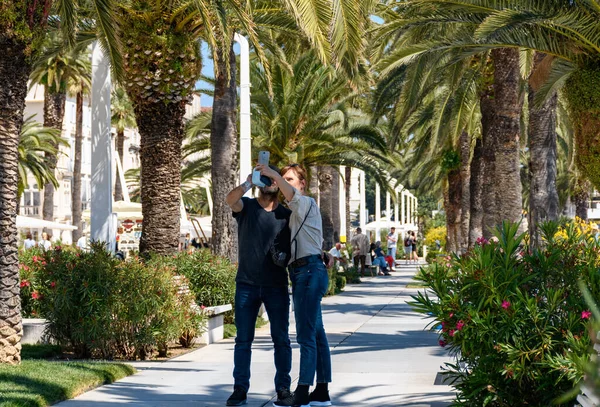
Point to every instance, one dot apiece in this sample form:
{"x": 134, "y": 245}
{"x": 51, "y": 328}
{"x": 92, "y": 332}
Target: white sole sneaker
{"x": 320, "y": 403}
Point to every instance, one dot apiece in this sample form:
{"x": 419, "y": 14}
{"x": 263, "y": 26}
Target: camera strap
{"x": 298, "y": 231}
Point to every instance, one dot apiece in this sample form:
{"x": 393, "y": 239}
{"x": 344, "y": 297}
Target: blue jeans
{"x": 248, "y": 299}
{"x": 392, "y": 252}
{"x": 309, "y": 285}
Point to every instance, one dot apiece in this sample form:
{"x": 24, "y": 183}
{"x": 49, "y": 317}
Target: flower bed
{"x": 516, "y": 322}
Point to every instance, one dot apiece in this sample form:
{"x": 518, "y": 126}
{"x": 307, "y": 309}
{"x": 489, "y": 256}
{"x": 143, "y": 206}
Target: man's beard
{"x": 270, "y": 193}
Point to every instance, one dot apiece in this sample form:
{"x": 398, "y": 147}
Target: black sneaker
{"x": 238, "y": 397}
{"x": 284, "y": 398}
{"x": 294, "y": 401}
{"x": 319, "y": 398}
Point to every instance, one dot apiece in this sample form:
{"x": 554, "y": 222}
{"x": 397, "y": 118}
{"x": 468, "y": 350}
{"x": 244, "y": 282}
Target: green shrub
{"x": 433, "y": 234}
{"x": 351, "y": 275}
{"x": 516, "y": 322}
{"x": 436, "y": 256}
{"x": 211, "y": 278}
{"x": 98, "y": 306}
{"x": 340, "y": 283}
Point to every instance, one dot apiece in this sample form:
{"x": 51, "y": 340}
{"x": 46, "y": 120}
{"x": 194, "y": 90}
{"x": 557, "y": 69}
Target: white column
{"x": 342, "y": 204}
{"x": 363, "y": 201}
{"x": 245, "y": 140}
{"x": 403, "y": 208}
{"x": 396, "y": 207}
{"x": 377, "y": 211}
{"x": 416, "y": 207}
{"x": 102, "y": 228}
{"x": 388, "y": 207}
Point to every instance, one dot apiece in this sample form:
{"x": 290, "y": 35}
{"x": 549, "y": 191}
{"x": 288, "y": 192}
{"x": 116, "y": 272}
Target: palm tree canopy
{"x": 34, "y": 142}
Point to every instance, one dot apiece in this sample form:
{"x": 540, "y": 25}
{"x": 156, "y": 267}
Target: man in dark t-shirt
{"x": 262, "y": 224}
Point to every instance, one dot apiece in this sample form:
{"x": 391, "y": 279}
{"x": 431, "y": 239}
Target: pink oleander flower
{"x": 35, "y": 259}
{"x": 35, "y": 295}
{"x": 505, "y": 304}
{"x": 451, "y": 332}
{"x": 481, "y": 241}
{"x": 24, "y": 283}
{"x": 442, "y": 343}
{"x": 52, "y": 284}
{"x": 451, "y": 314}
{"x": 460, "y": 325}
{"x": 586, "y": 314}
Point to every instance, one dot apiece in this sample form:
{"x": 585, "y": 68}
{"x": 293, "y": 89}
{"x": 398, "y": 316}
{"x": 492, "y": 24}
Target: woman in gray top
{"x": 309, "y": 284}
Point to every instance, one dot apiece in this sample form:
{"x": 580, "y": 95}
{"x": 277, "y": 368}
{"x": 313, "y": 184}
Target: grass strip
{"x": 40, "y": 383}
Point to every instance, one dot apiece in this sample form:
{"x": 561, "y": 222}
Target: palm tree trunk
{"x": 348, "y": 183}
{"x": 476, "y": 193}
{"x": 161, "y": 130}
{"x": 14, "y": 73}
{"x": 54, "y": 112}
{"x": 121, "y": 151}
{"x": 326, "y": 174}
{"x": 465, "y": 198}
{"x": 313, "y": 182}
{"x": 223, "y": 144}
{"x": 452, "y": 206}
{"x": 76, "y": 185}
{"x": 543, "y": 198}
{"x": 488, "y": 196}
{"x": 505, "y": 130}
{"x": 335, "y": 207}
{"x": 581, "y": 197}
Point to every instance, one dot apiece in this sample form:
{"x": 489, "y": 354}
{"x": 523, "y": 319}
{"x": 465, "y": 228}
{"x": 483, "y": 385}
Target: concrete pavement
{"x": 381, "y": 356}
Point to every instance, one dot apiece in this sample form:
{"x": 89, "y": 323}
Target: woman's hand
{"x": 267, "y": 171}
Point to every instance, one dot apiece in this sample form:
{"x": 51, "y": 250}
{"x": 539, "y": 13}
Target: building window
{"x": 30, "y": 201}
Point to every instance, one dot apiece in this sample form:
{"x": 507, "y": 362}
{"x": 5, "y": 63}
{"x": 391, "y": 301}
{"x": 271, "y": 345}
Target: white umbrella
{"x": 24, "y": 222}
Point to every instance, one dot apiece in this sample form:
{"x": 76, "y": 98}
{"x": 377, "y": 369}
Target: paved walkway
{"x": 381, "y": 356}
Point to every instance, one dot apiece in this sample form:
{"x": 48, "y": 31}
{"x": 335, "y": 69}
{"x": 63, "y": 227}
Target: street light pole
{"x": 245, "y": 135}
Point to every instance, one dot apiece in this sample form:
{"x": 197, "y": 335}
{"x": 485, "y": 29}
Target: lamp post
{"x": 245, "y": 136}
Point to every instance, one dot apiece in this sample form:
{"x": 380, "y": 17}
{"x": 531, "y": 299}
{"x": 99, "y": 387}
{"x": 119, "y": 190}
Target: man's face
{"x": 273, "y": 189}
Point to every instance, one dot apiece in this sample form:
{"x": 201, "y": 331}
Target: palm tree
{"x": 122, "y": 117}
{"x": 335, "y": 30}
{"x": 56, "y": 68}
{"x": 21, "y": 26}
{"x": 161, "y": 65}
{"x": 306, "y": 120}
{"x": 34, "y": 142}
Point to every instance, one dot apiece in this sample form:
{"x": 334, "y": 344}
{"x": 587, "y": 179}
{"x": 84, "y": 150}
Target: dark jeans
{"x": 309, "y": 284}
{"x": 248, "y": 299}
{"x": 362, "y": 260}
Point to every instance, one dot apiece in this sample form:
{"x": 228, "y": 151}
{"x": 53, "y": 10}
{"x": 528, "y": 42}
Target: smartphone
{"x": 261, "y": 180}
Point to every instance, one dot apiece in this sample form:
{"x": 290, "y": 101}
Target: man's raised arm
{"x": 234, "y": 198}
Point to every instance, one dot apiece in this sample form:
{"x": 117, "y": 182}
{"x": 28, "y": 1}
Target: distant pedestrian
{"x": 82, "y": 243}
{"x": 29, "y": 242}
{"x": 415, "y": 256}
{"x": 336, "y": 252}
{"x": 407, "y": 247}
{"x": 45, "y": 242}
{"x": 392, "y": 241}
{"x": 360, "y": 249}
{"x": 380, "y": 260}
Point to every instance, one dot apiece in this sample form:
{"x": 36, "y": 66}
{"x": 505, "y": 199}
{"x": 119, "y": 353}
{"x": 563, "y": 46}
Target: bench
{"x": 589, "y": 396}
{"x": 214, "y": 326}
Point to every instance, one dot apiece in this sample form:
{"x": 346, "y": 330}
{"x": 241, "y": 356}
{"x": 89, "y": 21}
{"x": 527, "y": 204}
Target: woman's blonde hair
{"x": 297, "y": 168}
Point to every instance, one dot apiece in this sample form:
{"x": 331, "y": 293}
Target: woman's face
{"x": 291, "y": 178}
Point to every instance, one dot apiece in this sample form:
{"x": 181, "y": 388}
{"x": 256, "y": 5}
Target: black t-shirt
{"x": 258, "y": 230}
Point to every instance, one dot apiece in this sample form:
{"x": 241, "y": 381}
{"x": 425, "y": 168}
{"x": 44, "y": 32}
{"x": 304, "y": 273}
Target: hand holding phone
{"x": 258, "y": 179}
